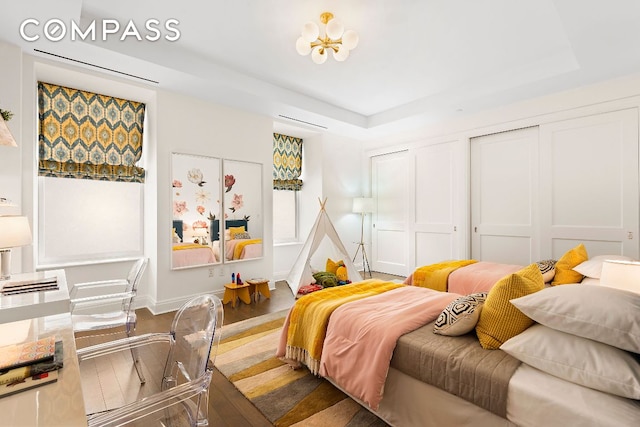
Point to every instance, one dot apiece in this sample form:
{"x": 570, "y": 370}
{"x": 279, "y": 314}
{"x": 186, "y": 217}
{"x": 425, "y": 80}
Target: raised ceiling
{"x": 417, "y": 62}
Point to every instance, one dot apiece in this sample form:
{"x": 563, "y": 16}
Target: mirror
{"x": 195, "y": 230}
{"x": 242, "y": 225}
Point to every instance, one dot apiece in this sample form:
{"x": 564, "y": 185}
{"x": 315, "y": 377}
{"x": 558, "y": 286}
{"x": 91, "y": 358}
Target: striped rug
{"x": 286, "y": 397}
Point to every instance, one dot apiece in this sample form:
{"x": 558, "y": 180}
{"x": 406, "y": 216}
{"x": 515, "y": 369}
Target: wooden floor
{"x": 227, "y": 406}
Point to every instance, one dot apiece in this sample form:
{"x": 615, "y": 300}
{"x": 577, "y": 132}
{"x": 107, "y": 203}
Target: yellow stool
{"x": 260, "y": 286}
{"x": 232, "y": 292}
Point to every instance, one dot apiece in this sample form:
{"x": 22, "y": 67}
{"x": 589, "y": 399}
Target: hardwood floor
{"x": 227, "y": 406}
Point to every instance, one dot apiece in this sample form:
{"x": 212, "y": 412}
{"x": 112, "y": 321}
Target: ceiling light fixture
{"x": 335, "y": 38}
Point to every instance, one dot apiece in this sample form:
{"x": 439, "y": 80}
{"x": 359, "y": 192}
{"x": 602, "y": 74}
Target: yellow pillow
{"x": 341, "y": 273}
{"x": 501, "y": 320}
{"x": 564, "y": 267}
{"x": 236, "y": 230}
{"x": 332, "y": 266}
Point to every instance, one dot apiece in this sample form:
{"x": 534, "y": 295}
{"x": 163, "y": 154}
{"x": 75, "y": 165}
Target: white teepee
{"x": 301, "y": 273}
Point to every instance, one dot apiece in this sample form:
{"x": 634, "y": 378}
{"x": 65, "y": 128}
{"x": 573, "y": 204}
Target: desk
{"x": 57, "y": 404}
{"x": 35, "y": 304}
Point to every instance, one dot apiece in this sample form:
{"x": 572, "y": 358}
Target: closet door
{"x": 389, "y": 183}
{"x": 434, "y": 204}
{"x": 504, "y": 187}
{"x": 589, "y": 184}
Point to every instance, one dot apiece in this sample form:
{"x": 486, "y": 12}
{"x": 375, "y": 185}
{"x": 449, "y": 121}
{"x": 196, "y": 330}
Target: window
{"x": 287, "y": 167}
{"x": 285, "y": 216}
{"x": 90, "y": 183}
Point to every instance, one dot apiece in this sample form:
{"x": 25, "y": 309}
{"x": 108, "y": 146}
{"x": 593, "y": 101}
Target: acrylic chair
{"x": 117, "y": 293}
{"x": 193, "y": 342}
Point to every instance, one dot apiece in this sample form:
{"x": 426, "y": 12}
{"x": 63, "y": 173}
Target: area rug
{"x": 286, "y": 397}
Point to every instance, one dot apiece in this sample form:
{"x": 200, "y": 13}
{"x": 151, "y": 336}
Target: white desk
{"x": 35, "y": 304}
{"x": 51, "y": 405}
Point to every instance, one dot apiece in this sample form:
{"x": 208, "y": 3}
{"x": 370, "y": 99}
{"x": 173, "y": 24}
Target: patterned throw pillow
{"x": 460, "y": 316}
{"x": 500, "y": 319}
{"x": 244, "y": 235}
{"x": 548, "y": 269}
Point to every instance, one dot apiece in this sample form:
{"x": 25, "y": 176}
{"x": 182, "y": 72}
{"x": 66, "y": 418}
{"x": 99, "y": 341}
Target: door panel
{"x": 435, "y": 181}
{"x": 389, "y": 176}
{"x": 504, "y": 191}
{"x": 589, "y": 179}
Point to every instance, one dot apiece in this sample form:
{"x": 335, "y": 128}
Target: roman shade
{"x": 287, "y": 162}
{"x": 89, "y": 136}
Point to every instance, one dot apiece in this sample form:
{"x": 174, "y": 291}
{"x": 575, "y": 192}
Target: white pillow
{"x": 600, "y": 313}
{"x": 576, "y": 359}
{"x": 460, "y": 316}
{"x": 590, "y": 281}
{"x": 593, "y": 266}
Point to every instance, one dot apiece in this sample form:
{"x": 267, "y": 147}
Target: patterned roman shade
{"x": 89, "y": 136}
{"x": 287, "y": 162}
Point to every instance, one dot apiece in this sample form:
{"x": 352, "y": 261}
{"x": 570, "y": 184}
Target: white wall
{"x": 176, "y": 124}
{"x": 192, "y": 126}
{"x": 613, "y": 95}
{"x": 331, "y": 169}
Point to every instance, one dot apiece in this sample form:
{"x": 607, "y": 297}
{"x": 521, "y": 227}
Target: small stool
{"x": 261, "y": 286}
{"x": 232, "y": 292}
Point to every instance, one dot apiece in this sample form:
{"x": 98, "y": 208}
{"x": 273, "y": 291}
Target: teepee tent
{"x": 323, "y": 241}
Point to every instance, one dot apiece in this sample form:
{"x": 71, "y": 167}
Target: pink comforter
{"x": 362, "y": 335}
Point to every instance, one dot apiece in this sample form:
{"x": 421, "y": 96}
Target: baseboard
{"x": 160, "y": 307}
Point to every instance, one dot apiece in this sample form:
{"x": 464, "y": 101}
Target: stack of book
{"x": 26, "y": 286}
{"x": 30, "y": 364}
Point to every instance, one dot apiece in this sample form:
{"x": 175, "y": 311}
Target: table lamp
{"x": 362, "y": 205}
{"x": 621, "y": 274}
{"x": 14, "y": 232}
{"x": 201, "y": 233}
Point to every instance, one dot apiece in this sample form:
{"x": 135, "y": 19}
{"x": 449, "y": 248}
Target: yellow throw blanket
{"x": 309, "y": 317}
{"x": 436, "y": 276}
{"x": 237, "y": 250}
{"x": 188, "y": 246}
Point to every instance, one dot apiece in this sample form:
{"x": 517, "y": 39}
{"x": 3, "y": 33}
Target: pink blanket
{"x": 362, "y": 335}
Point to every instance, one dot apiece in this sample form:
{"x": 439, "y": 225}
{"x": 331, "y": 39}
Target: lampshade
{"x": 5, "y": 135}
{"x": 200, "y": 232}
{"x": 14, "y": 231}
{"x": 621, "y": 275}
{"x": 362, "y": 205}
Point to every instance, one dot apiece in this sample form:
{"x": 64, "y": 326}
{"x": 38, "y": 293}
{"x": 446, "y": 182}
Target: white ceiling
{"x": 418, "y": 61}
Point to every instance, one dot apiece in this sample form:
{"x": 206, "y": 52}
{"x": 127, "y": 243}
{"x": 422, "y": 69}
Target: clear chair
{"x": 193, "y": 342}
{"x": 117, "y": 293}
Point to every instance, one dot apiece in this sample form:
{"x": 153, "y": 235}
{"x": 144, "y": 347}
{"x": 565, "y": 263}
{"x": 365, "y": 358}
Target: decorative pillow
{"x": 564, "y": 266}
{"x": 548, "y": 269}
{"x": 244, "y": 235}
{"x": 460, "y": 316}
{"x": 332, "y": 266}
{"x": 235, "y": 230}
{"x": 577, "y": 359}
{"x": 501, "y": 320}
{"x": 341, "y": 273}
{"x": 600, "y": 313}
{"x": 326, "y": 279}
{"x": 593, "y": 266}
{"x": 227, "y": 235}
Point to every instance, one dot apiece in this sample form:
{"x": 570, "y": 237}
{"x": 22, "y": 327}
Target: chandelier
{"x": 336, "y": 39}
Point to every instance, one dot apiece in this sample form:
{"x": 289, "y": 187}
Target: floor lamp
{"x": 363, "y": 205}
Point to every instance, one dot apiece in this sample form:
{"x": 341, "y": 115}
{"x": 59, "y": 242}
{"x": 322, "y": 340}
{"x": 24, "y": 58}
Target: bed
{"x": 375, "y": 340}
{"x": 238, "y": 243}
{"x": 186, "y": 254}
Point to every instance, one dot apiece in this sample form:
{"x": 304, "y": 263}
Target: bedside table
{"x": 261, "y": 286}
{"x": 232, "y": 292}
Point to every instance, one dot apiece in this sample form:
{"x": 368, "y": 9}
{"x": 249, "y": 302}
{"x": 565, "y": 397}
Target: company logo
{"x": 55, "y": 30}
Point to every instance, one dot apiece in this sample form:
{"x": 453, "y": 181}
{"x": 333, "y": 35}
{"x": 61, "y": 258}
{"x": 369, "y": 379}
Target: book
{"x": 19, "y": 373}
{"x": 27, "y": 353}
{"x": 28, "y": 383}
{"x": 11, "y": 288}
